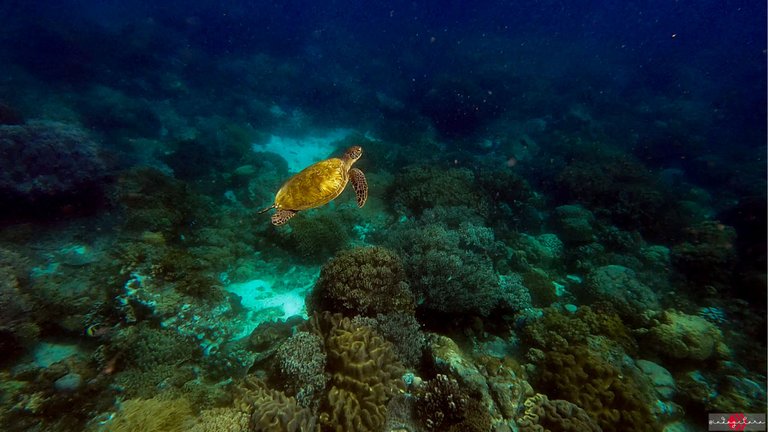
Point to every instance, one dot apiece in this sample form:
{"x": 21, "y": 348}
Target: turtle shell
{"x": 314, "y": 186}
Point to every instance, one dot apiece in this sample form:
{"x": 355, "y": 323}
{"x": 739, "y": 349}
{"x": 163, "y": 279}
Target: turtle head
{"x": 353, "y": 153}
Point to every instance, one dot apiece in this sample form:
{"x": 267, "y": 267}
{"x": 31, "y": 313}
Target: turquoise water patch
{"x": 47, "y": 354}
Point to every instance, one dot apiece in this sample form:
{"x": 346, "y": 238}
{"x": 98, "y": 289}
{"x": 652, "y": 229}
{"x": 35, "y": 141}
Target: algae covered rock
{"x": 682, "y": 336}
{"x": 620, "y": 286}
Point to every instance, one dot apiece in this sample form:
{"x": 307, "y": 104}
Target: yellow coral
{"x": 152, "y": 415}
{"x": 364, "y": 375}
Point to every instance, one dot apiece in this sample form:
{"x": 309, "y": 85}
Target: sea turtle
{"x": 318, "y": 184}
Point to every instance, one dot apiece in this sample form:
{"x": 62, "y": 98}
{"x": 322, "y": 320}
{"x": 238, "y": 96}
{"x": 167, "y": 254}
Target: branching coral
{"x": 544, "y": 415}
{"x": 449, "y": 269}
{"x": 314, "y": 238}
{"x": 363, "y": 281}
{"x": 402, "y": 330}
{"x": 442, "y": 405}
{"x": 301, "y": 363}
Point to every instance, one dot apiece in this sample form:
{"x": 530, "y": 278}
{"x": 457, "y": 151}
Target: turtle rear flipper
{"x": 282, "y": 216}
{"x": 360, "y": 184}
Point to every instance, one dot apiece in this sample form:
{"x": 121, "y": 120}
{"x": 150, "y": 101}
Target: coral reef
{"x": 273, "y": 411}
{"x": 620, "y": 287}
{"x": 416, "y": 189}
{"x": 582, "y": 377}
{"x": 364, "y": 376}
{"x": 574, "y": 224}
{"x": 707, "y": 256}
{"x": 544, "y": 415}
{"x": 53, "y": 166}
{"x": 315, "y": 238}
{"x": 682, "y": 336}
{"x": 441, "y": 404}
{"x": 450, "y": 270}
{"x": 18, "y": 329}
{"x": 362, "y": 281}
{"x": 301, "y": 364}
{"x": 152, "y": 415}
{"x": 402, "y": 330}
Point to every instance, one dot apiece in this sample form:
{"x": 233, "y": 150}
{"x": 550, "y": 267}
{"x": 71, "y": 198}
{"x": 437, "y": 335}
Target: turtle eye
{"x": 355, "y": 152}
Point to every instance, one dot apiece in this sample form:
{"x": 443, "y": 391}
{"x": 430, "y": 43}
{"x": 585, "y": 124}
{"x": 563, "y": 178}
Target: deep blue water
{"x": 149, "y": 134}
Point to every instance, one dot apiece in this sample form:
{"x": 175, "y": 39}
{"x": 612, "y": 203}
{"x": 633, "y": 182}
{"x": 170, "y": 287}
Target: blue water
{"x": 547, "y": 182}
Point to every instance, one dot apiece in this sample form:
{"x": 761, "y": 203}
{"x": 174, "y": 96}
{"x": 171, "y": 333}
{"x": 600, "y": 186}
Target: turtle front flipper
{"x": 282, "y": 216}
{"x": 360, "y": 184}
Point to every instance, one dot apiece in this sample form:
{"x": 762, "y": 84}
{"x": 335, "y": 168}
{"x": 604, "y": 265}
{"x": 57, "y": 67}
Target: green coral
{"x": 314, "y": 238}
{"x": 451, "y": 270}
{"x": 557, "y": 330}
{"x": 363, "y": 281}
{"x": 418, "y": 188}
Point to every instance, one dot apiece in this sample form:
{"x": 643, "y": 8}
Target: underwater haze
{"x": 419, "y": 216}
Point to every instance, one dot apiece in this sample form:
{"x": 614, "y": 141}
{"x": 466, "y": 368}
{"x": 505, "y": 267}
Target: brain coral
{"x": 610, "y": 398}
{"x": 544, "y": 415}
{"x": 273, "y": 411}
{"x": 364, "y": 376}
{"x": 363, "y": 281}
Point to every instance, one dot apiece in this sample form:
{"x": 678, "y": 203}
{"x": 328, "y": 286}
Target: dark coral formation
{"x": 418, "y": 188}
{"x": 708, "y": 254}
{"x": 363, "y": 281}
{"x": 49, "y": 167}
{"x": 18, "y": 329}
